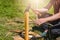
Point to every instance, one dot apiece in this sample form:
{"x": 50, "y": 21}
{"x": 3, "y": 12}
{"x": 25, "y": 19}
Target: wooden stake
{"x": 26, "y": 25}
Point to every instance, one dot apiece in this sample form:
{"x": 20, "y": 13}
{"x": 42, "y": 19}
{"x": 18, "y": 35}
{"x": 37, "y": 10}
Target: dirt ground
{"x": 17, "y": 38}
{"x": 58, "y": 38}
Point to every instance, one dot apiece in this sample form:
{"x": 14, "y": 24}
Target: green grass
{"x": 6, "y": 25}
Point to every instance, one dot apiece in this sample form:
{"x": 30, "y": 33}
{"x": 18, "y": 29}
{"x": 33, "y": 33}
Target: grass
{"x": 6, "y": 25}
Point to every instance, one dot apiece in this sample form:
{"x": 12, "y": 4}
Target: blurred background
{"x": 12, "y": 15}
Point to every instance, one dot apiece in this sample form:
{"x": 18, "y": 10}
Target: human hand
{"x": 40, "y": 21}
{"x": 42, "y": 10}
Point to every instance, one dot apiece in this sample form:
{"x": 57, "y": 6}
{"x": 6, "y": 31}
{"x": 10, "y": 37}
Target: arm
{"x": 45, "y": 9}
{"x": 54, "y": 17}
{"x": 49, "y": 4}
{"x": 51, "y": 18}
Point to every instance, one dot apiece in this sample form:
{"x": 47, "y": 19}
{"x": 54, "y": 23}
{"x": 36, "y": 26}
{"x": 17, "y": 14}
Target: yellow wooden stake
{"x": 26, "y": 25}
{"x": 27, "y": 22}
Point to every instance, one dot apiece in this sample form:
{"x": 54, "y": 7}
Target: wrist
{"x": 46, "y": 19}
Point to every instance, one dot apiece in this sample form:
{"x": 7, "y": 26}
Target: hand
{"x": 40, "y": 21}
{"x": 38, "y": 11}
{"x": 43, "y": 10}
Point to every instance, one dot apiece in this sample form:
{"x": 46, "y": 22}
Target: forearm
{"x": 49, "y": 5}
{"x": 54, "y": 17}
